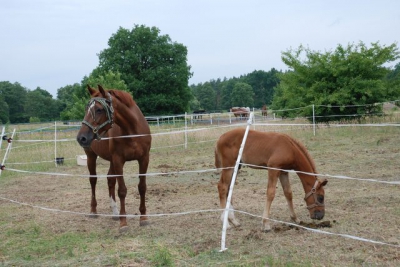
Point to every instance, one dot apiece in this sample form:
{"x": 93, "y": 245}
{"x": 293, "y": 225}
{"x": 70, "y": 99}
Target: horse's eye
{"x": 99, "y": 110}
{"x": 320, "y": 198}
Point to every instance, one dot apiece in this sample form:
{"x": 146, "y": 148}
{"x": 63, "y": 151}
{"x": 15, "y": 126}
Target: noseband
{"x": 313, "y": 193}
{"x": 107, "y": 105}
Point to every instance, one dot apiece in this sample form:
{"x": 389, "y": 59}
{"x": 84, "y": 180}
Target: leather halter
{"x": 313, "y": 193}
{"x": 107, "y": 105}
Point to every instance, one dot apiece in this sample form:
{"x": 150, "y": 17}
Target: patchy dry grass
{"x": 36, "y": 237}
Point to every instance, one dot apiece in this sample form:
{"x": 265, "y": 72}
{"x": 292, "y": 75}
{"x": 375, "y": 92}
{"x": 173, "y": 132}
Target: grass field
{"x": 47, "y": 225}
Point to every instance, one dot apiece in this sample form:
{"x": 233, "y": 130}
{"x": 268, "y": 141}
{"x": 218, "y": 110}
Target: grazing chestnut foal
{"x": 275, "y": 150}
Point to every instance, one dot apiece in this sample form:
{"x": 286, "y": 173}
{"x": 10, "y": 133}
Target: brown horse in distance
{"x": 264, "y": 111}
{"x": 111, "y": 114}
{"x": 274, "y": 150}
{"x": 241, "y": 112}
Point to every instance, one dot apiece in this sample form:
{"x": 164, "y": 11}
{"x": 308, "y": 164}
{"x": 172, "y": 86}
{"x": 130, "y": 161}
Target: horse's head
{"x": 315, "y": 200}
{"x": 98, "y": 118}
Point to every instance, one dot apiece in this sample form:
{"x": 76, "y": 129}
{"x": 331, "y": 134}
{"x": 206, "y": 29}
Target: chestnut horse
{"x": 240, "y": 112}
{"x": 264, "y": 111}
{"x": 112, "y": 114}
{"x": 279, "y": 152}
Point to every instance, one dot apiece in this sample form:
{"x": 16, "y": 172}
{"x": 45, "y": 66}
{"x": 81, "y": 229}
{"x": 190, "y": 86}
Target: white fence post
{"x": 186, "y": 132}
{"x": 7, "y": 151}
{"x": 228, "y": 202}
{"x": 55, "y": 143}
{"x": 313, "y": 117}
{"x": 1, "y": 136}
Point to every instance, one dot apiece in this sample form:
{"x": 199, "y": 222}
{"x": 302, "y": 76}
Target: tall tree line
{"x": 21, "y": 105}
{"x": 251, "y": 90}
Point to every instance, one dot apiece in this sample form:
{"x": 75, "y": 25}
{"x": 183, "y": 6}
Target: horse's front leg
{"x": 91, "y": 164}
{"x": 223, "y": 190}
{"x": 287, "y": 190}
{"x": 93, "y": 202}
{"x": 271, "y": 188}
{"x": 142, "y": 188}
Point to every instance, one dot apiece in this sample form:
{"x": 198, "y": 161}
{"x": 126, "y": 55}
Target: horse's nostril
{"x": 317, "y": 215}
{"x": 81, "y": 140}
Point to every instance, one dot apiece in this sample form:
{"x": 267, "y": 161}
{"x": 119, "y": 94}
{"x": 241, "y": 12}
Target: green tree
{"x": 206, "y": 96}
{"x": 15, "y": 97}
{"x": 393, "y": 84}
{"x": 226, "y": 93}
{"x": 263, "y": 84}
{"x": 153, "y": 67}
{"x": 351, "y": 76}
{"x": 194, "y": 104}
{"x": 65, "y": 95}
{"x": 41, "y": 105}
{"x": 242, "y": 95}
{"x": 4, "y": 110}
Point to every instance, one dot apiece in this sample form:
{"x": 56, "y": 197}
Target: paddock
{"x": 45, "y": 205}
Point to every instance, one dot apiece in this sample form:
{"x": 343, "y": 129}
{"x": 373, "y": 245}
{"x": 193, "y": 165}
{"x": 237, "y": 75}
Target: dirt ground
{"x": 183, "y": 206}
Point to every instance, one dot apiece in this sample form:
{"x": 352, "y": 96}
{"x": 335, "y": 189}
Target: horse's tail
{"x": 217, "y": 157}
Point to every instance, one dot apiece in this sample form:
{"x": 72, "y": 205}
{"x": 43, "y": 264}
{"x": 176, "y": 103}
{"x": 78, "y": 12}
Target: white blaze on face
{"x": 90, "y": 107}
{"x": 113, "y": 206}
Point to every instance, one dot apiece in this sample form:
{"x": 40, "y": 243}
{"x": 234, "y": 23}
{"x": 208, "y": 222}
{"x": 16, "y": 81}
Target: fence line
{"x": 202, "y": 211}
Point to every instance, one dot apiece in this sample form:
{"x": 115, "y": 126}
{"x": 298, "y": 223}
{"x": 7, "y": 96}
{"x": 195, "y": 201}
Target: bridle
{"x": 107, "y": 105}
{"x": 313, "y": 193}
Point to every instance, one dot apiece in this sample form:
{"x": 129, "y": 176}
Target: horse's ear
{"x": 324, "y": 182}
{"x": 102, "y": 91}
{"x": 91, "y": 90}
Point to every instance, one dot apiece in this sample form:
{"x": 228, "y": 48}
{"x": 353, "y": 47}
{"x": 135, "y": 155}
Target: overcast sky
{"x": 54, "y": 43}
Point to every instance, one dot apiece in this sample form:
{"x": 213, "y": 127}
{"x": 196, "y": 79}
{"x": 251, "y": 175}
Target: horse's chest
{"x": 129, "y": 149}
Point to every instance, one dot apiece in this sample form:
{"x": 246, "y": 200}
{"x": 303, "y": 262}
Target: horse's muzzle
{"x": 84, "y": 141}
{"x": 317, "y": 215}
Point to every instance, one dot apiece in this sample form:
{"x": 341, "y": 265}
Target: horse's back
{"x": 261, "y": 148}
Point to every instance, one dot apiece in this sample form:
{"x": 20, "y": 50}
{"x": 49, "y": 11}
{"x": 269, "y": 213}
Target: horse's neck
{"x": 127, "y": 119}
{"x": 304, "y": 165}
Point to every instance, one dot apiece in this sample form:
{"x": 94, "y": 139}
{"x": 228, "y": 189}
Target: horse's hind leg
{"x": 142, "y": 187}
{"x": 111, "y": 181}
{"x": 116, "y": 168}
{"x": 287, "y": 190}
{"x": 223, "y": 190}
{"x": 271, "y": 189}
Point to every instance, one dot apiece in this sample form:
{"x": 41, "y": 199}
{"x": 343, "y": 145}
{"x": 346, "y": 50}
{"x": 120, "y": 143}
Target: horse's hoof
{"x": 93, "y": 215}
{"x": 144, "y": 223}
{"x": 295, "y": 220}
{"x": 236, "y": 224}
{"x": 266, "y": 229}
{"x": 123, "y": 229}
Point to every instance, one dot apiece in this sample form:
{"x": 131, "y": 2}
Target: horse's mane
{"x": 123, "y": 96}
{"x": 305, "y": 152}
